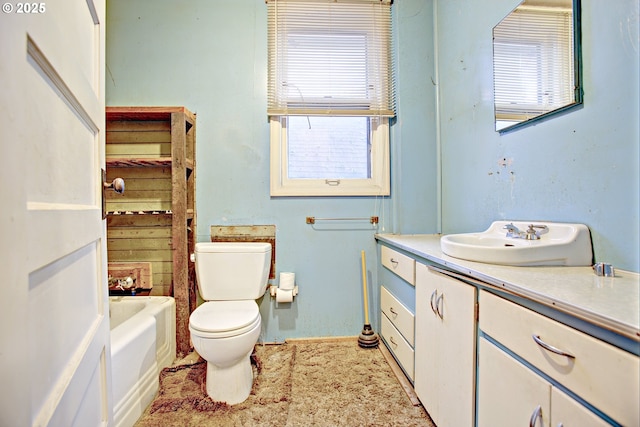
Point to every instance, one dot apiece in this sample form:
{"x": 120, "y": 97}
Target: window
{"x": 331, "y": 94}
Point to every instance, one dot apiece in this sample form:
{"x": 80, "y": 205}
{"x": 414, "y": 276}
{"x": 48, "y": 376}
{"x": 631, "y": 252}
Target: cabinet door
{"x": 456, "y": 304}
{"x": 600, "y": 373}
{"x": 566, "y": 412}
{"x": 445, "y": 347}
{"x": 508, "y": 392}
{"x": 427, "y": 342}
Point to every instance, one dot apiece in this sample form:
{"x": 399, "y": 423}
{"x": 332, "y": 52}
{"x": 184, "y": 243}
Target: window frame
{"x": 376, "y": 185}
{"x": 366, "y": 89}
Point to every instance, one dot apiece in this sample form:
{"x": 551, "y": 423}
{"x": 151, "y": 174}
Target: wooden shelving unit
{"x": 154, "y": 221}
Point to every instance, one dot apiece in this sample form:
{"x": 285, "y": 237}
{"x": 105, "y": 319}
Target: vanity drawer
{"x": 398, "y": 314}
{"x": 398, "y": 346}
{"x": 400, "y": 264}
{"x": 600, "y": 373}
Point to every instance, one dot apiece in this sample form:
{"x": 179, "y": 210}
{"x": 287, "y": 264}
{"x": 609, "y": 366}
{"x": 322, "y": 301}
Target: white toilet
{"x": 225, "y": 328}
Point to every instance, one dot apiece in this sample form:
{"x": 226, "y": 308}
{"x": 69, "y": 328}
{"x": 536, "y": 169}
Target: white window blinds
{"x": 533, "y": 62}
{"x": 330, "y": 57}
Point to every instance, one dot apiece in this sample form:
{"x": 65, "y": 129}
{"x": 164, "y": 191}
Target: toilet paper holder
{"x": 273, "y": 289}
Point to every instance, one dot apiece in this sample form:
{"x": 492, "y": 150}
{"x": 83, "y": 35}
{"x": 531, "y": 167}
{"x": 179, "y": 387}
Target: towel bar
{"x": 312, "y": 219}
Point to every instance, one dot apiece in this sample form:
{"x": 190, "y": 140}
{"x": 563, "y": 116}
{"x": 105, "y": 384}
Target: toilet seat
{"x": 222, "y": 319}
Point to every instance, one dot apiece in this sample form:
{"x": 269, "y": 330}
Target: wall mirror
{"x": 537, "y": 70}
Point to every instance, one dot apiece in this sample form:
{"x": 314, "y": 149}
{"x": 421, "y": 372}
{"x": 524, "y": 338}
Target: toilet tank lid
{"x": 233, "y": 247}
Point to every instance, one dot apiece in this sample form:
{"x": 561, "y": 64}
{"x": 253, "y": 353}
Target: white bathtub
{"x": 143, "y": 342}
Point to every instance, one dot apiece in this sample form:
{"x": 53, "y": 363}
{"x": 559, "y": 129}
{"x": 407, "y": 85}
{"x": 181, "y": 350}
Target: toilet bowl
{"x": 224, "y": 334}
{"x": 225, "y": 328}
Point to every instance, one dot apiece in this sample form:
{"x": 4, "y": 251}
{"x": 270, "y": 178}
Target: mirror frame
{"x": 577, "y": 71}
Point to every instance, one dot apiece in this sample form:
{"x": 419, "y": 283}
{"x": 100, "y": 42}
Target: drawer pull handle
{"x": 551, "y": 348}
{"x": 434, "y": 294}
{"x": 393, "y": 311}
{"x": 393, "y": 342}
{"x": 537, "y": 413}
{"x": 440, "y": 303}
{"x": 394, "y": 262}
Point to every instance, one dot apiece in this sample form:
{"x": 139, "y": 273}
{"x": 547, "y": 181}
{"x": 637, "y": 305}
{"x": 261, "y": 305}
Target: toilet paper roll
{"x": 284, "y": 295}
{"x": 287, "y": 281}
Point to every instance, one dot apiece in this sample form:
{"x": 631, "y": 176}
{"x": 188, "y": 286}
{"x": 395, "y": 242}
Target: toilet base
{"x": 231, "y": 384}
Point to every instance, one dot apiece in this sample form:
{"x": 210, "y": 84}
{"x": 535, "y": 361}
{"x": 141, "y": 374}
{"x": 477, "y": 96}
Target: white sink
{"x": 555, "y": 244}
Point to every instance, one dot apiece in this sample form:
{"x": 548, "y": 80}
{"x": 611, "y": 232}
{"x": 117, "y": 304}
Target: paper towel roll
{"x": 287, "y": 281}
{"x": 284, "y": 295}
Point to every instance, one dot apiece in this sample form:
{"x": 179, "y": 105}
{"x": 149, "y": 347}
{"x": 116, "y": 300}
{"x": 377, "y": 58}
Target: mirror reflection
{"x": 536, "y": 62}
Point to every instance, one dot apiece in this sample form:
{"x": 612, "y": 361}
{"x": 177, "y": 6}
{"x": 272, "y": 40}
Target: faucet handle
{"x": 512, "y": 230}
{"x": 532, "y": 234}
{"x": 542, "y": 227}
{"x": 511, "y": 227}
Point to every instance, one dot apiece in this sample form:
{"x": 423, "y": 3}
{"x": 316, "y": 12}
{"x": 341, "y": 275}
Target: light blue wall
{"x": 580, "y": 167}
{"x": 210, "y": 56}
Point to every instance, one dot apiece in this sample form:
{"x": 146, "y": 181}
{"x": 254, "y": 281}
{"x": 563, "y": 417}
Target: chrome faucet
{"x": 531, "y": 233}
{"x": 512, "y": 231}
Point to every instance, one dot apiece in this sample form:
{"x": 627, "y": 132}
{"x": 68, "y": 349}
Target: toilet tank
{"x": 227, "y": 271}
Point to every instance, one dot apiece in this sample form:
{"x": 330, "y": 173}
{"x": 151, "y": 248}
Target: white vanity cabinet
{"x": 400, "y": 264}
{"x": 510, "y": 394}
{"x": 509, "y": 391}
{"x": 397, "y": 329}
{"x": 445, "y": 352}
{"x": 397, "y": 320}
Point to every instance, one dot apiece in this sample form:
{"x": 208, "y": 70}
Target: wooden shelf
{"x": 137, "y": 163}
{"x": 121, "y": 162}
{"x": 154, "y": 221}
{"x": 116, "y": 213}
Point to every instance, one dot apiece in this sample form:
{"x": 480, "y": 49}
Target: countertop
{"x": 612, "y": 303}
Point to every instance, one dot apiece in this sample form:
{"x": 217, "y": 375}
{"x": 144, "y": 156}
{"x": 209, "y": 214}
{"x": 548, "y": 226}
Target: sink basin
{"x": 556, "y": 244}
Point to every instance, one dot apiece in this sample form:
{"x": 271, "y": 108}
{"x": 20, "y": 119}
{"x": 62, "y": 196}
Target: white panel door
{"x": 54, "y": 338}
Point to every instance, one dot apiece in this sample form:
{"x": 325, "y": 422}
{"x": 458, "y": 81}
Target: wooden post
{"x": 179, "y": 225}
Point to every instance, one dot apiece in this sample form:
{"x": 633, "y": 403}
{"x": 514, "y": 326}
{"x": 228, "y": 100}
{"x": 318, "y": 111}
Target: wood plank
{"x": 138, "y": 137}
{"x": 147, "y": 162}
{"x": 145, "y": 184}
{"x": 138, "y": 244}
{"x": 159, "y": 173}
{"x": 147, "y": 206}
{"x": 140, "y": 195}
{"x": 146, "y": 190}
{"x": 162, "y": 280}
{"x": 140, "y": 271}
{"x": 146, "y": 113}
{"x": 161, "y": 271}
{"x": 139, "y": 221}
{"x": 159, "y": 149}
{"x": 138, "y": 232}
{"x": 180, "y": 263}
{"x": 138, "y": 126}
{"x": 141, "y": 255}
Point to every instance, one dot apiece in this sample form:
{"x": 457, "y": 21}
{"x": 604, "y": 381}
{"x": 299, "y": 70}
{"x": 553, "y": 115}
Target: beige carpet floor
{"x": 324, "y": 383}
